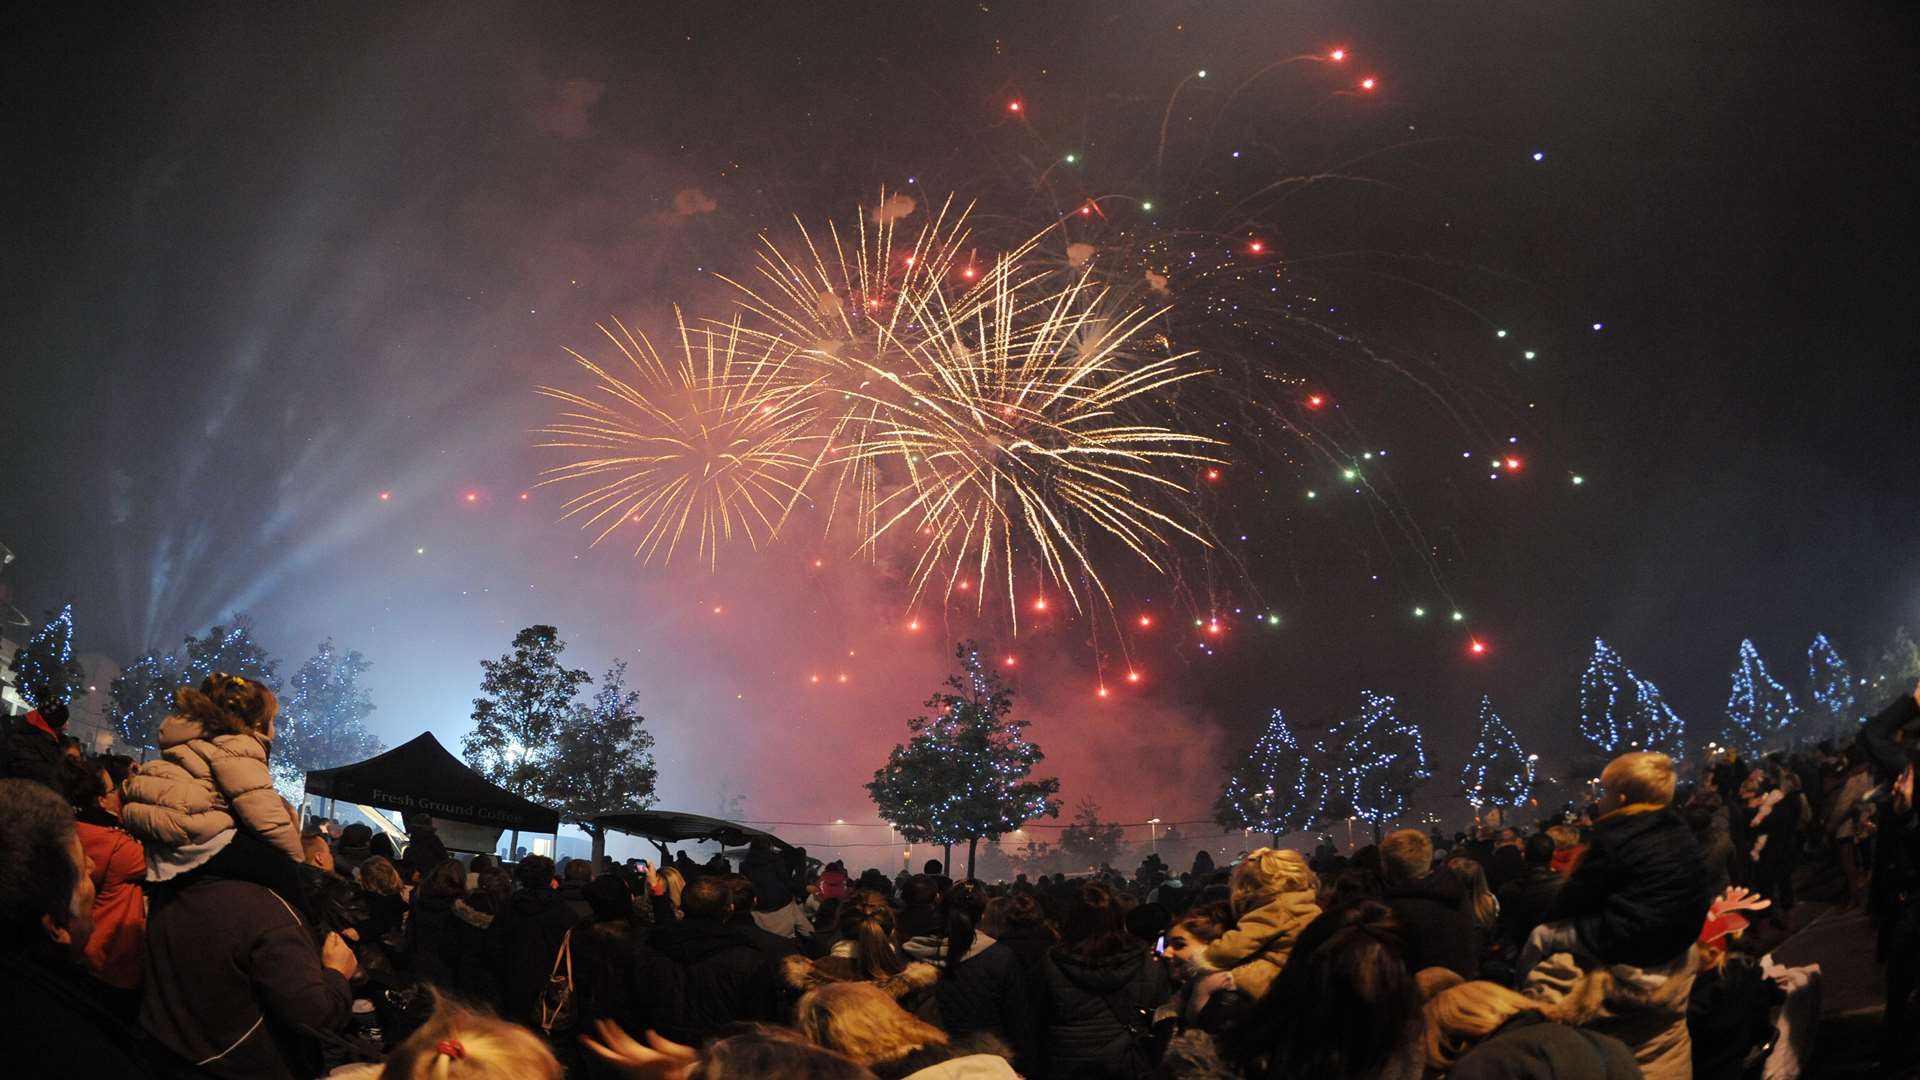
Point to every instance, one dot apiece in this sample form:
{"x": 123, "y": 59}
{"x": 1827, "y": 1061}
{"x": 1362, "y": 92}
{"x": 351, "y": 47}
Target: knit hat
{"x": 355, "y": 838}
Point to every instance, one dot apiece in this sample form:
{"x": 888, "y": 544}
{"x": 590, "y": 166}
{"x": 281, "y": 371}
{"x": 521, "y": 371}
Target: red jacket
{"x": 119, "y": 907}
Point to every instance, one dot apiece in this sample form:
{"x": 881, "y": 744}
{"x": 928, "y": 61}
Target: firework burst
{"x": 850, "y": 302}
{"x": 1025, "y": 430}
{"x": 712, "y": 440}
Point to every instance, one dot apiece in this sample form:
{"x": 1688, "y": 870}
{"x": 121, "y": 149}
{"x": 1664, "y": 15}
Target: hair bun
{"x": 228, "y": 704}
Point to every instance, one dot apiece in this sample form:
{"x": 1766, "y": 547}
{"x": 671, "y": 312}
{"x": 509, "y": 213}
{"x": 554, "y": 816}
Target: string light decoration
{"x": 44, "y": 670}
{"x": 1380, "y": 759}
{"x": 965, "y": 772}
{"x": 1759, "y": 709}
{"x": 1621, "y": 712}
{"x": 142, "y": 694}
{"x": 1280, "y": 787}
{"x": 1498, "y": 772}
{"x": 1830, "y": 686}
{"x": 323, "y": 717}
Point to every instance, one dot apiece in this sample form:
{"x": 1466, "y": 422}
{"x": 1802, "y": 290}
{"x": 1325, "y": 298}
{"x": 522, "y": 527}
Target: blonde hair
{"x": 1406, "y": 854}
{"x": 1459, "y": 1017}
{"x": 676, "y": 883}
{"x": 1433, "y": 980}
{"x": 1643, "y": 777}
{"x": 1564, "y": 837}
{"x": 1480, "y": 899}
{"x": 1266, "y": 873}
{"x": 863, "y": 1022}
{"x": 457, "y": 1043}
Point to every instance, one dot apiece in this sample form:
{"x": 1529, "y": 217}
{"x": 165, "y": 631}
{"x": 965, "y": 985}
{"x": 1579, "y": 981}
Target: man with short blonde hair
{"x": 1406, "y": 854}
{"x": 1643, "y": 778}
{"x": 1430, "y": 905}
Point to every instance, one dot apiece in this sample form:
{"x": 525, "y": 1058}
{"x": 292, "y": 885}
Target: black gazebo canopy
{"x": 422, "y": 776}
{"x": 672, "y": 826}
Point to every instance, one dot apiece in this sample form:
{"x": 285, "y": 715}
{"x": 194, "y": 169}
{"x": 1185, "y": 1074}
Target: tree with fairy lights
{"x": 603, "y": 757}
{"x": 1498, "y": 772}
{"x": 1378, "y": 761}
{"x": 142, "y": 696}
{"x": 525, "y": 698}
{"x": 1279, "y": 788}
{"x": 323, "y": 718}
{"x": 1620, "y": 712}
{"x": 1831, "y": 705}
{"x": 44, "y": 670}
{"x": 229, "y": 650}
{"x": 1758, "y": 708}
{"x": 965, "y": 771}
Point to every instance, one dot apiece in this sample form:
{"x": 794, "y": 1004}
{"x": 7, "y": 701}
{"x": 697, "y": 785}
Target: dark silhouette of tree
{"x": 526, "y": 696}
{"x": 603, "y": 757}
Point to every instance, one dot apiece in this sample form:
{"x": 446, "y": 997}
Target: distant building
{"x": 11, "y": 703}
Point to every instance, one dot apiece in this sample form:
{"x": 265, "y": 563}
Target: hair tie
{"x": 451, "y": 1048}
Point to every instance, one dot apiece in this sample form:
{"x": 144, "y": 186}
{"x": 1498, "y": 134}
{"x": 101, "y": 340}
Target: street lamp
{"x": 1153, "y": 834}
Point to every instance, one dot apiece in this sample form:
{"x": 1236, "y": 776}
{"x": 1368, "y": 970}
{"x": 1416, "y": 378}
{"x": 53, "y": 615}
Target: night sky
{"x": 267, "y": 264}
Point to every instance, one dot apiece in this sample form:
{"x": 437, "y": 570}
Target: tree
{"x": 1894, "y": 671}
{"x": 965, "y": 771}
{"x": 1759, "y": 708}
{"x": 142, "y": 695}
{"x": 603, "y": 758}
{"x": 1279, "y": 788}
{"x": 1379, "y": 760}
{"x": 1621, "y": 712}
{"x": 526, "y": 697}
{"x": 44, "y": 670}
{"x": 323, "y": 717}
{"x": 1498, "y": 772}
{"x": 1831, "y": 707}
{"x": 1087, "y": 840}
{"x": 229, "y": 650}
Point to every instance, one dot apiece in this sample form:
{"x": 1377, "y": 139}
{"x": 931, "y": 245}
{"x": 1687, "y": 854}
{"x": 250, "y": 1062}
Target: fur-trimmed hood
{"x": 473, "y": 917}
{"x": 802, "y": 974}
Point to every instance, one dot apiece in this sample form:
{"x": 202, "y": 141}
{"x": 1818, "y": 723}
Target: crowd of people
{"x": 177, "y": 918}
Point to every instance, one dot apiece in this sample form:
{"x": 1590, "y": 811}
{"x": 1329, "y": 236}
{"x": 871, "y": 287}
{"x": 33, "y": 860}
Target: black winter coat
{"x": 1031, "y": 943}
{"x": 538, "y": 922}
{"x": 68, "y": 1028}
{"x": 1530, "y": 1046}
{"x": 1728, "y": 1014}
{"x": 430, "y": 939}
{"x": 1524, "y": 903}
{"x": 233, "y": 977}
{"x": 770, "y": 944}
{"x": 719, "y": 978}
{"x": 1435, "y": 924}
{"x": 1639, "y": 894}
{"x": 987, "y": 991}
{"x": 1098, "y": 1009}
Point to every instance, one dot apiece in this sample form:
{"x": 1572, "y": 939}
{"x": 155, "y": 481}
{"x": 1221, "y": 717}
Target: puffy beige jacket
{"x": 1258, "y": 945}
{"x": 200, "y": 786}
